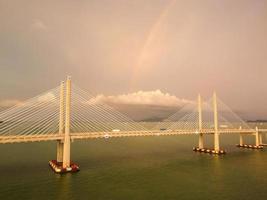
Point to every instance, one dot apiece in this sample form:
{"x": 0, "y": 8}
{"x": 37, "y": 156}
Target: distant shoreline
{"x": 257, "y": 121}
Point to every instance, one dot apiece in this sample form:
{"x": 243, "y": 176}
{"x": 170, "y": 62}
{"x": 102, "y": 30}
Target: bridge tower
{"x": 66, "y": 148}
{"x": 216, "y": 132}
{"x": 60, "y": 143}
{"x": 63, "y": 164}
{"x": 201, "y": 136}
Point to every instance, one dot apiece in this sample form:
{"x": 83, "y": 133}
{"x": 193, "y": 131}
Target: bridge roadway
{"x": 94, "y": 135}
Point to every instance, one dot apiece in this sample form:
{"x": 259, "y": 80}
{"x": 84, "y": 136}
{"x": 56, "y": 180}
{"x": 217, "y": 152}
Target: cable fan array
{"x": 178, "y": 118}
{"x": 89, "y": 114}
{"x": 36, "y": 116}
{"x": 187, "y": 118}
{"x": 40, "y": 115}
{"x": 228, "y": 118}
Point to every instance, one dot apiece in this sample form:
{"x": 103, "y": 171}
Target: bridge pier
{"x": 241, "y": 141}
{"x": 60, "y": 146}
{"x": 200, "y": 147}
{"x": 260, "y": 139}
{"x": 201, "y": 136}
{"x": 257, "y": 137}
{"x": 201, "y": 141}
{"x": 63, "y": 164}
{"x": 216, "y": 132}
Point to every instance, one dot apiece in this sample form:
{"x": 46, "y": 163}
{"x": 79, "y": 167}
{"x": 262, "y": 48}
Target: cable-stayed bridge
{"x": 67, "y": 113}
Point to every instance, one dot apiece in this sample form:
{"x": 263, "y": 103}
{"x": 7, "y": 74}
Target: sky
{"x": 136, "y": 51}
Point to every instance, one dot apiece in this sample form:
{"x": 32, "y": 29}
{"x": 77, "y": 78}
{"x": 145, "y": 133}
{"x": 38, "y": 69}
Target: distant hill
{"x": 145, "y": 113}
{"x": 257, "y": 121}
{"x": 153, "y": 119}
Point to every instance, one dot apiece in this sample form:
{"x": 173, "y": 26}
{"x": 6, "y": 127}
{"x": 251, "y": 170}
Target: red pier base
{"x": 248, "y": 146}
{"x": 58, "y": 168}
{"x": 210, "y": 151}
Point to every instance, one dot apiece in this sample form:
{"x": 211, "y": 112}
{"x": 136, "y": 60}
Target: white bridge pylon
{"x": 67, "y": 113}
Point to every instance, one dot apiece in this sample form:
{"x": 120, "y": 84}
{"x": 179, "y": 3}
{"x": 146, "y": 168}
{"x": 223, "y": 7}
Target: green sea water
{"x": 133, "y": 168}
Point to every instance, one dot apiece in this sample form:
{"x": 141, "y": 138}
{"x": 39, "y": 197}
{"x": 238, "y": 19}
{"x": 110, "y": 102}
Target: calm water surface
{"x": 160, "y": 167}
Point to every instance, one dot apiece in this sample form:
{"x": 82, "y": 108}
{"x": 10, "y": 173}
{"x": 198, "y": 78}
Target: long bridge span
{"x": 96, "y": 135}
{"x": 68, "y": 113}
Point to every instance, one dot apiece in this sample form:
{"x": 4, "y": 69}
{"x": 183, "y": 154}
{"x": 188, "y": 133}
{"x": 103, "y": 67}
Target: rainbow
{"x": 150, "y": 38}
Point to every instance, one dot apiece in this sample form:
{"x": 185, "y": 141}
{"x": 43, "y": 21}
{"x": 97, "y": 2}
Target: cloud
{"x": 39, "y": 25}
{"x": 153, "y": 98}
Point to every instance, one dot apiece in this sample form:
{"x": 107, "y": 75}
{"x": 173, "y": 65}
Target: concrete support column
{"x": 60, "y": 146}
{"x": 66, "y": 153}
{"x": 201, "y": 136}
{"x": 257, "y": 136}
{"x": 241, "y": 141}
{"x": 263, "y": 136}
{"x": 216, "y": 132}
{"x": 61, "y": 124}
{"x": 260, "y": 138}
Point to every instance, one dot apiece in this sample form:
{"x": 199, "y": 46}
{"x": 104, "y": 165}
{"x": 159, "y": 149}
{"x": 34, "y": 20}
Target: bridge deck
{"x": 92, "y": 135}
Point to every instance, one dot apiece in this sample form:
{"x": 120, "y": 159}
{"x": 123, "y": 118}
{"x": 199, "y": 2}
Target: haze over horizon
{"x": 149, "y": 54}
